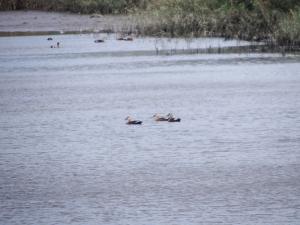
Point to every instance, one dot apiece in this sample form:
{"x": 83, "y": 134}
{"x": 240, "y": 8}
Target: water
{"x": 67, "y": 156}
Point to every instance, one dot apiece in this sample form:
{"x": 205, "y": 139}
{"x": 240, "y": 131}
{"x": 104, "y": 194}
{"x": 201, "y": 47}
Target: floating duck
{"x": 171, "y": 118}
{"x": 49, "y": 39}
{"x": 157, "y": 117}
{"x": 125, "y": 39}
{"x": 128, "y": 39}
{"x": 174, "y": 120}
{"x": 133, "y": 122}
{"x": 99, "y": 41}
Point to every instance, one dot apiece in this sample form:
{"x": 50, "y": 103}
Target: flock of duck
{"x": 126, "y": 38}
{"x": 168, "y": 118}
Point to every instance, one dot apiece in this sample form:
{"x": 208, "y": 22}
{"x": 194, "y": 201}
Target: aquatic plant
{"x": 272, "y": 21}
{"x": 288, "y": 32}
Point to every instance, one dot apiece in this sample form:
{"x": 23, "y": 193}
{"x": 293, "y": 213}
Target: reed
{"x": 288, "y": 31}
{"x": 271, "y": 21}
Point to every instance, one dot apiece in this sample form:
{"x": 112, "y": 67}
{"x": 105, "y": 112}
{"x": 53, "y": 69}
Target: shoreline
{"x": 35, "y": 22}
{"x": 23, "y": 22}
{"x": 42, "y": 33}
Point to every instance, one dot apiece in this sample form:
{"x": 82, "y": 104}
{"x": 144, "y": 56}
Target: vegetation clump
{"x": 276, "y": 22}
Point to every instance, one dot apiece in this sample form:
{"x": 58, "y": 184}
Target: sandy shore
{"x": 23, "y": 22}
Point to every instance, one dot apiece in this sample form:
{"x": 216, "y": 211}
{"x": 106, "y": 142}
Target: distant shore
{"x": 34, "y": 22}
{"x": 15, "y": 23}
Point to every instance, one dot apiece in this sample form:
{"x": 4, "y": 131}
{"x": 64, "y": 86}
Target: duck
{"x": 157, "y": 117}
{"x": 133, "y": 122}
{"x": 49, "y": 39}
{"x": 172, "y": 119}
{"x": 125, "y": 39}
{"x": 99, "y": 41}
{"x": 128, "y": 39}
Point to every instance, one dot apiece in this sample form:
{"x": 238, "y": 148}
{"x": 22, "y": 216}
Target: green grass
{"x": 288, "y": 32}
{"x": 271, "y": 21}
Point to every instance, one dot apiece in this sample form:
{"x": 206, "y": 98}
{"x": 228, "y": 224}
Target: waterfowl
{"x": 99, "y": 41}
{"x": 128, "y": 39}
{"x": 125, "y": 39}
{"x": 174, "y": 120}
{"x": 171, "y": 118}
{"x": 157, "y": 117}
{"x": 49, "y": 39}
{"x": 133, "y": 122}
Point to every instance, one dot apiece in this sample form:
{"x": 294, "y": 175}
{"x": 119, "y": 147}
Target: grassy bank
{"x": 276, "y": 22}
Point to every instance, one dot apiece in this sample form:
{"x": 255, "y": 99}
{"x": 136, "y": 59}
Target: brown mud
{"x": 38, "y": 23}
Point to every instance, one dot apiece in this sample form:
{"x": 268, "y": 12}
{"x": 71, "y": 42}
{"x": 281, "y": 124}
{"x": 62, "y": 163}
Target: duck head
{"x": 170, "y": 115}
{"x": 128, "y": 118}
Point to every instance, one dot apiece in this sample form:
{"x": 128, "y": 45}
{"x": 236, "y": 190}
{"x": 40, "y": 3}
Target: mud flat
{"x": 38, "y": 22}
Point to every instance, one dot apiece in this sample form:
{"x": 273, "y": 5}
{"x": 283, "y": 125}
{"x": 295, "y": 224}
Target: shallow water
{"x": 67, "y": 156}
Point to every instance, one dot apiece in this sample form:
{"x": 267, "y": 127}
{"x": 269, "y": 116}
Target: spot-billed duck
{"x": 157, "y": 117}
{"x": 99, "y": 41}
{"x": 171, "y": 118}
{"x": 132, "y": 122}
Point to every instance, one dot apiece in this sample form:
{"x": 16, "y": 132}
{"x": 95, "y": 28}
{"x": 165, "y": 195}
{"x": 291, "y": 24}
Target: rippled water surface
{"x": 67, "y": 156}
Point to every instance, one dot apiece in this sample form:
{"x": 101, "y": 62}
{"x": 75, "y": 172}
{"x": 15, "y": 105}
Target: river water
{"x": 67, "y": 156}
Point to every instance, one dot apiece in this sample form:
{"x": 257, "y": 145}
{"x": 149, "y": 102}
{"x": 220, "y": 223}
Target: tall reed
{"x": 271, "y": 21}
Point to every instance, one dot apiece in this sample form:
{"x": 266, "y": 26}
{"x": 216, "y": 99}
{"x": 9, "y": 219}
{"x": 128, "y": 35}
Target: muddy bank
{"x": 38, "y": 22}
{"x": 22, "y": 23}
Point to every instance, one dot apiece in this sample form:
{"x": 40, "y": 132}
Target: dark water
{"x": 67, "y": 156}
